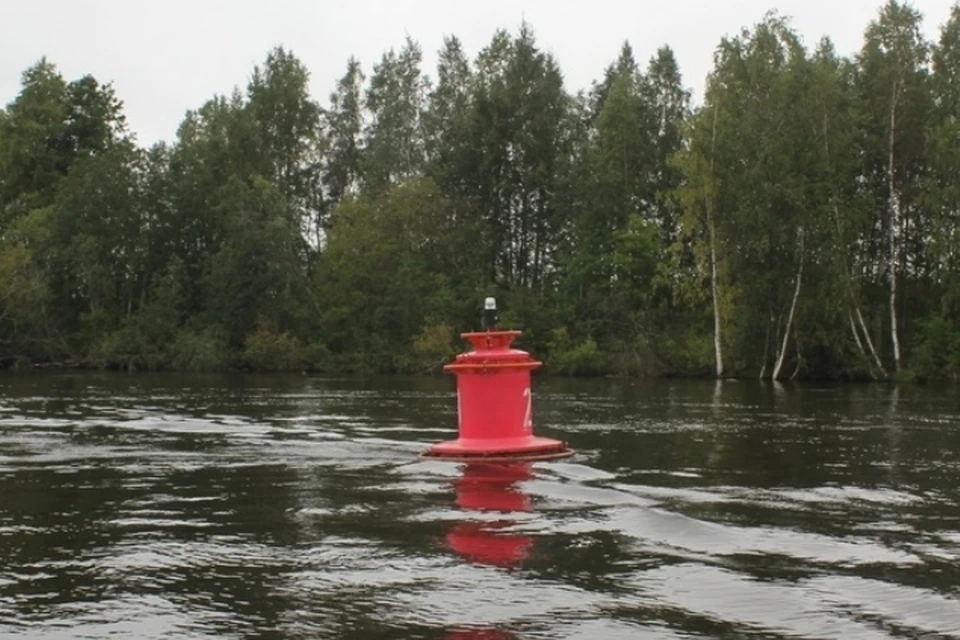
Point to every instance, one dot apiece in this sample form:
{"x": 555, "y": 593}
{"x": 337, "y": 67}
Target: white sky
{"x": 167, "y": 56}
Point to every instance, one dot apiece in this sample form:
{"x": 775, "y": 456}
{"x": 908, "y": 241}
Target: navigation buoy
{"x": 495, "y": 402}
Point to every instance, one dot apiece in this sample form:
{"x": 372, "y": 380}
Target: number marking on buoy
{"x": 528, "y": 417}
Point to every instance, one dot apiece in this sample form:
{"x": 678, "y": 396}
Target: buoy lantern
{"x": 495, "y": 402}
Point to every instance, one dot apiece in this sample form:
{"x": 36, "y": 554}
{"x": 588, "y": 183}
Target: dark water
{"x": 174, "y": 507}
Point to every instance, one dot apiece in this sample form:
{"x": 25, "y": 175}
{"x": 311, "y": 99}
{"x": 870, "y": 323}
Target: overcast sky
{"x": 170, "y": 56}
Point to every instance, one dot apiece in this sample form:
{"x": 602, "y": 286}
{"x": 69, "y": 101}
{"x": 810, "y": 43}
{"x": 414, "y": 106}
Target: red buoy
{"x": 495, "y": 405}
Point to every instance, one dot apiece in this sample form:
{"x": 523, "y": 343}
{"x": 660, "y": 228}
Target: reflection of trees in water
{"x": 255, "y": 513}
{"x": 99, "y": 512}
{"x": 56, "y": 518}
{"x": 769, "y": 434}
{"x": 716, "y": 404}
{"x": 96, "y": 534}
{"x": 894, "y": 433}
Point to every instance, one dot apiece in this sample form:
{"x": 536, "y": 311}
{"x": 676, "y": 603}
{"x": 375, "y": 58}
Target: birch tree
{"x": 893, "y": 67}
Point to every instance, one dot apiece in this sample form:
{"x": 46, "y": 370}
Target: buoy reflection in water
{"x": 492, "y": 488}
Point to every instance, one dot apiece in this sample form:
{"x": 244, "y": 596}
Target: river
{"x": 171, "y": 506}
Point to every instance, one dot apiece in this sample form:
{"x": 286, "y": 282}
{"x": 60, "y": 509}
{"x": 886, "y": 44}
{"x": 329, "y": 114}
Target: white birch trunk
{"x": 715, "y": 290}
{"x": 796, "y": 369}
{"x": 856, "y": 338}
{"x": 766, "y": 347}
{"x": 894, "y": 228}
{"x": 793, "y": 308}
{"x": 714, "y": 285}
{"x": 866, "y": 336}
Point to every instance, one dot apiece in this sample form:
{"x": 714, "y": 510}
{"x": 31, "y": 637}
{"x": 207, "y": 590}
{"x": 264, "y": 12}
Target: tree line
{"x": 803, "y": 221}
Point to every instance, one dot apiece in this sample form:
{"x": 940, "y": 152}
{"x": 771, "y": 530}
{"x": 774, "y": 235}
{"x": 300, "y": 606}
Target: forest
{"x": 802, "y": 222}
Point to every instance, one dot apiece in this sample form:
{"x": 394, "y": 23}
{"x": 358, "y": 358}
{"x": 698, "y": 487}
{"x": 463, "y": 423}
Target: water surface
{"x": 295, "y": 507}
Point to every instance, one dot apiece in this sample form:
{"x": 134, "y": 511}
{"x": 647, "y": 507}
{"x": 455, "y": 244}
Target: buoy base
{"x": 526, "y": 449}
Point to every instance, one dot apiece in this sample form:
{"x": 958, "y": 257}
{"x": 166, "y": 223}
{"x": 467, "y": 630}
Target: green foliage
{"x": 260, "y": 241}
{"x": 937, "y": 354}
{"x": 517, "y": 135}
{"x": 382, "y": 273}
{"x": 146, "y": 340}
{"x": 434, "y": 346}
{"x": 317, "y": 357}
{"x": 203, "y": 350}
{"x": 49, "y": 126}
{"x": 576, "y": 359}
{"x": 686, "y": 348}
{"x": 32, "y": 127}
{"x": 129, "y": 348}
{"x": 395, "y": 147}
{"x": 344, "y": 120}
{"x": 24, "y": 300}
{"x": 268, "y": 350}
